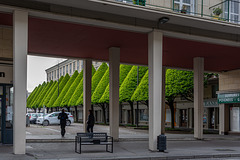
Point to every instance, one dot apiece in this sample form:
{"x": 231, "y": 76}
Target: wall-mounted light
{"x": 163, "y": 20}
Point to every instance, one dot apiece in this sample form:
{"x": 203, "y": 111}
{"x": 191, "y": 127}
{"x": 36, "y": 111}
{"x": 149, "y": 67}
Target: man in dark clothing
{"x": 90, "y": 121}
{"x": 63, "y": 118}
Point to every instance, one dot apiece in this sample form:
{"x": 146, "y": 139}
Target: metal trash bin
{"x": 161, "y": 143}
{"x": 27, "y": 121}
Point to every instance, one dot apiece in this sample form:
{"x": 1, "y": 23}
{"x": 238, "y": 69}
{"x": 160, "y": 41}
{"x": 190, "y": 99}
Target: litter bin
{"x": 161, "y": 143}
{"x": 27, "y": 121}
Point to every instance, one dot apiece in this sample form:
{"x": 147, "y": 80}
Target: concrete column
{"x": 216, "y": 115}
{"x": 114, "y": 62}
{"x": 198, "y": 97}
{"x": 20, "y": 49}
{"x": 163, "y": 100}
{"x": 87, "y": 81}
{"x": 155, "y": 41}
{"x": 223, "y": 119}
{"x": 190, "y": 120}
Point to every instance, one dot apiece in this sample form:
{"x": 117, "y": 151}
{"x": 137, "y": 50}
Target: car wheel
{"x": 68, "y": 123}
{"x": 45, "y": 123}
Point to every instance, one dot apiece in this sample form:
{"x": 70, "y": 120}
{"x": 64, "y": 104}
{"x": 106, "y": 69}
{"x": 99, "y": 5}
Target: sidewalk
{"x": 128, "y": 150}
{"x": 133, "y": 144}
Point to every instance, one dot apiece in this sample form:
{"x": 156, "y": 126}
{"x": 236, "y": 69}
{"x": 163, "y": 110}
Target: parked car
{"x": 33, "y": 117}
{"x": 52, "y": 118}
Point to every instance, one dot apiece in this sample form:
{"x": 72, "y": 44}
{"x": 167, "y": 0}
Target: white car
{"x": 52, "y": 118}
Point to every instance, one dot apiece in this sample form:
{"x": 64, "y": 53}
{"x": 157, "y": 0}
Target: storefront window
{"x": 143, "y": 115}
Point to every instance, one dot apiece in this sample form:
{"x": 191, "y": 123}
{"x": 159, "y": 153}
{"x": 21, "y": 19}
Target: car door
{"x": 55, "y": 119}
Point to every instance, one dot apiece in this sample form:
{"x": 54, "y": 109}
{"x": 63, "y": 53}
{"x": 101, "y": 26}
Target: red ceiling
{"x": 54, "y": 38}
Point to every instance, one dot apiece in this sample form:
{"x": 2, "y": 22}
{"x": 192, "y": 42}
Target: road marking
{"x": 53, "y": 130}
{"x": 28, "y": 132}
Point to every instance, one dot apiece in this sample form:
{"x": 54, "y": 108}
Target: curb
{"x": 170, "y": 157}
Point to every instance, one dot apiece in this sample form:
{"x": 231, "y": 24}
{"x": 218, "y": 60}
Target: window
{"x": 52, "y": 74}
{"x": 234, "y": 11}
{"x": 55, "y": 74}
{"x": 66, "y": 69}
{"x": 60, "y": 72}
{"x": 78, "y": 65}
{"x": 81, "y": 65}
{"x": 125, "y": 1}
{"x": 74, "y": 66}
{"x": 143, "y": 115}
{"x": 214, "y": 90}
{"x": 184, "y": 6}
{"x": 70, "y": 68}
{"x": 63, "y": 70}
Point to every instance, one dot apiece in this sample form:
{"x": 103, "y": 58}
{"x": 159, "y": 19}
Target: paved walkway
{"x": 179, "y": 146}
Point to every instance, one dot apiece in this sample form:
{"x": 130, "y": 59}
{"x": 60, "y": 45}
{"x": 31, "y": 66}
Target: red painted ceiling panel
{"x": 55, "y": 38}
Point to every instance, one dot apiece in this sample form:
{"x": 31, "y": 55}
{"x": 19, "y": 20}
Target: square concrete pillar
{"x": 155, "y": 43}
{"x": 198, "y": 97}
{"x": 223, "y": 119}
{"x": 20, "y": 49}
{"x": 114, "y": 62}
{"x": 87, "y": 82}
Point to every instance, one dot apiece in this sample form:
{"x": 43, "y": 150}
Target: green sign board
{"x": 229, "y": 98}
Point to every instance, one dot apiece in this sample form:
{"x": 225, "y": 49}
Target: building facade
{"x": 205, "y": 38}
{"x": 68, "y": 66}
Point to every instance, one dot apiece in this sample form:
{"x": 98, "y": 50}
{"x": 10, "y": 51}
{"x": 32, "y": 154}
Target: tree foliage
{"x": 31, "y": 96}
{"x": 47, "y": 93}
{"x": 71, "y": 90}
{"x": 124, "y": 70}
{"x": 98, "y": 76}
{"x": 141, "y": 93}
{"x": 77, "y": 93}
{"x": 101, "y": 87}
{"x": 36, "y": 104}
{"x": 130, "y": 83}
{"x": 51, "y": 92}
{"x": 37, "y": 95}
{"x": 65, "y": 90}
{"x": 178, "y": 82}
{"x": 55, "y": 94}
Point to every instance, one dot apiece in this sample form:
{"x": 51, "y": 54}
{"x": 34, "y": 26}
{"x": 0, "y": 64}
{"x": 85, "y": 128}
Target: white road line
{"x": 28, "y": 132}
{"x": 53, "y": 130}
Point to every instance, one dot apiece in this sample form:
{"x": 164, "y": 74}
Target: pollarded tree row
{"x": 58, "y": 90}
{"x": 71, "y": 90}
{"x": 63, "y": 92}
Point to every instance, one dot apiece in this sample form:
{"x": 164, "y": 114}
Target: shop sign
{"x": 210, "y": 103}
{"x": 229, "y": 98}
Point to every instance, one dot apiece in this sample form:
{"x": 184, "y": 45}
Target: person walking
{"x": 63, "y": 119}
{"x": 90, "y": 121}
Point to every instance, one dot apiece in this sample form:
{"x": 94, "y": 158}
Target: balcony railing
{"x": 225, "y": 10}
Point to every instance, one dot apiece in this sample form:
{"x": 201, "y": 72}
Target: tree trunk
{"x": 35, "y": 110}
{"x": 76, "y": 112}
{"x": 47, "y": 109}
{"x": 171, "y": 105}
{"x": 132, "y": 114}
{"x": 51, "y": 109}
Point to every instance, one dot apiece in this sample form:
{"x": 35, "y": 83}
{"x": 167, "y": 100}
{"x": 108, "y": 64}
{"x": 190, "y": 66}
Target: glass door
{"x": 0, "y": 120}
{"x": 6, "y": 97}
{"x": 1, "y": 117}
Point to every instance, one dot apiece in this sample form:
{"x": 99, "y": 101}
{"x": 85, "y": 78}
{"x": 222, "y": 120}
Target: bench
{"x": 93, "y": 139}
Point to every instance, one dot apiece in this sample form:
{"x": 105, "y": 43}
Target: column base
{"x": 223, "y": 133}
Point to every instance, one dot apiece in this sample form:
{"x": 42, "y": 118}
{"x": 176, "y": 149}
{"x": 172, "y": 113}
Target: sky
{"x": 36, "y": 66}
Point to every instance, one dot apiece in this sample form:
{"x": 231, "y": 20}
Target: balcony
{"x": 227, "y": 10}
